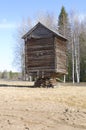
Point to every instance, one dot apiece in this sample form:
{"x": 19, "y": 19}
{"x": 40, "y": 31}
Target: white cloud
{"x": 7, "y": 25}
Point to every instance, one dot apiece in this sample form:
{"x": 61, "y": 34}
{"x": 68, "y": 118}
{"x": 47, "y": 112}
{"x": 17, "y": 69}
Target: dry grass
{"x": 43, "y": 109}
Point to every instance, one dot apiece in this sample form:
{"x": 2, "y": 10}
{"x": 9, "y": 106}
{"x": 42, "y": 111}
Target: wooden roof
{"x": 51, "y": 30}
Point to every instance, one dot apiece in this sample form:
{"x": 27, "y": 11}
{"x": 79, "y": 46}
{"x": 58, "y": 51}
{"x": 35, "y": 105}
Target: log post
{"x": 64, "y": 78}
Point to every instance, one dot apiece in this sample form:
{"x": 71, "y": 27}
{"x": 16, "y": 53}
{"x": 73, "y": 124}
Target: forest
{"x": 72, "y": 27}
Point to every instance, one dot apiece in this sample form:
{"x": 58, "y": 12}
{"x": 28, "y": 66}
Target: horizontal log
{"x": 40, "y": 51}
{"x": 40, "y": 48}
{"x": 43, "y": 42}
{"x": 40, "y": 64}
{"x": 40, "y": 69}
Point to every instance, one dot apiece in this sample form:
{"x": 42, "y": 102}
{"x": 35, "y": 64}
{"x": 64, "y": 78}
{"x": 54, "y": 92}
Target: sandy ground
{"x": 62, "y": 108}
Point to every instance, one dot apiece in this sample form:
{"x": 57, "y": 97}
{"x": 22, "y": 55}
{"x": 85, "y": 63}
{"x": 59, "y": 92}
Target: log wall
{"x": 40, "y": 55}
{"x": 60, "y": 56}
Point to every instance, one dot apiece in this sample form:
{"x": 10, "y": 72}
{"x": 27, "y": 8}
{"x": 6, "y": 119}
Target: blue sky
{"x": 13, "y": 11}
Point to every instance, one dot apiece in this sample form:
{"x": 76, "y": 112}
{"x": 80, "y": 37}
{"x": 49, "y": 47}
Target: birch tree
{"x": 77, "y": 51}
{"x": 75, "y": 27}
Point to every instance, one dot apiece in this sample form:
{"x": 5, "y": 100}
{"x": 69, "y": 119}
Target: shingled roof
{"x": 51, "y": 30}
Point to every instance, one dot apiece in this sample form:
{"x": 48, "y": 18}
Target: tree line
{"x": 74, "y": 30}
{"x": 71, "y": 27}
{"x": 9, "y": 75}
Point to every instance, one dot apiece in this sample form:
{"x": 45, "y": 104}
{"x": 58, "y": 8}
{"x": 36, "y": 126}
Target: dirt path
{"x": 43, "y": 109}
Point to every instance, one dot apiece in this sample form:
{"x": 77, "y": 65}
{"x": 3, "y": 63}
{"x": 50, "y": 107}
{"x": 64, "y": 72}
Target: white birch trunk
{"x": 77, "y": 59}
{"x": 75, "y": 47}
{"x": 73, "y": 62}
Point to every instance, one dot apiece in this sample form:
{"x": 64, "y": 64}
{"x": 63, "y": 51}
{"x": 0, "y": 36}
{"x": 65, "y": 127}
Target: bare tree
{"x": 48, "y": 19}
{"x": 75, "y": 26}
{"x": 19, "y": 50}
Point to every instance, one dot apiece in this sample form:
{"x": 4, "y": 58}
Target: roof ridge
{"x": 39, "y": 23}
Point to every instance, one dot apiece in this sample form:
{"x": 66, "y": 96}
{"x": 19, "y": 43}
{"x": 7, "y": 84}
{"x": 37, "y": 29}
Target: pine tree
{"x": 63, "y": 23}
{"x": 65, "y": 30}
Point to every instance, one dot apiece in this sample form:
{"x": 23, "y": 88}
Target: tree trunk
{"x": 77, "y": 59}
{"x": 73, "y": 61}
